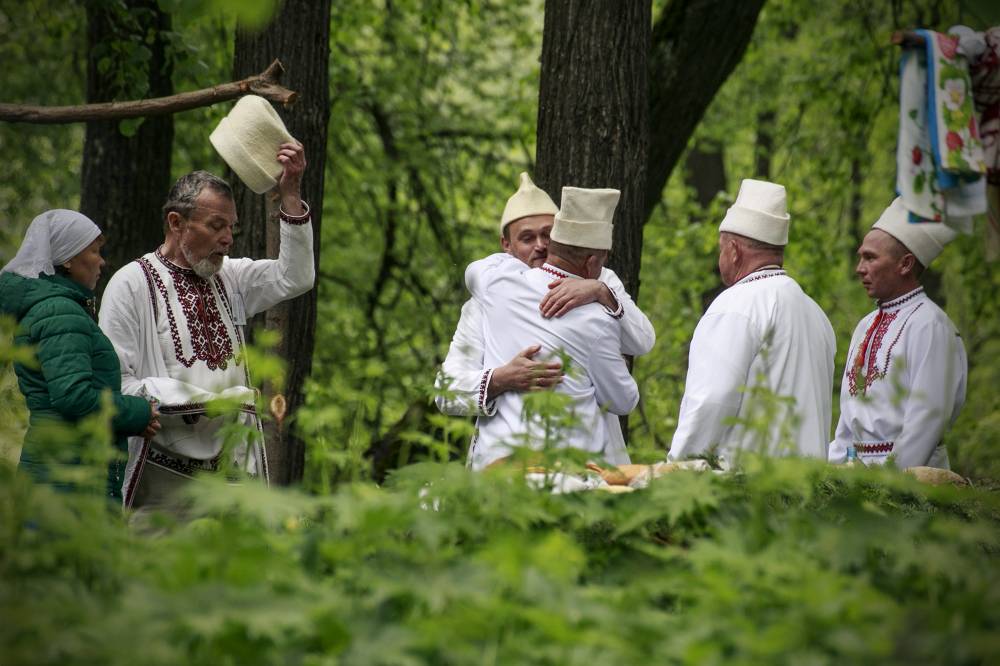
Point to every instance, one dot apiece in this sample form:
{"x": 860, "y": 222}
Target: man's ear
{"x": 505, "y": 243}
{"x": 906, "y": 264}
{"x": 175, "y": 222}
{"x": 735, "y": 251}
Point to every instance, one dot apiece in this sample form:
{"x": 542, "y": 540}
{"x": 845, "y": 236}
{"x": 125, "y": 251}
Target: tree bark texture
{"x": 299, "y": 36}
{"x": 125, "y": 178}
{"x": 695, "y": 46}
{"x": 593, "y": 111}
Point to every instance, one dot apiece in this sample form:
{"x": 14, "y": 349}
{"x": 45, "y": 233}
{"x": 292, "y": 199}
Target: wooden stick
{"x": 264, "y": 84}
{"x": 908, "y": 39}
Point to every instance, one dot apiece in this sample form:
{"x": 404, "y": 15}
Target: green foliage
{"x": 784, "y": 562}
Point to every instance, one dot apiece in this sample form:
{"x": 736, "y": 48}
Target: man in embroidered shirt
{"x": 176, "y": 318}
{"x": 467, "y": 387}
{"x": 509, "y": 293}
{"x": 904, "y": 381}
{"x": 760, "y": 368}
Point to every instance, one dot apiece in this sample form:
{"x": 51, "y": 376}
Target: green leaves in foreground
{"x": 783, "y": 562}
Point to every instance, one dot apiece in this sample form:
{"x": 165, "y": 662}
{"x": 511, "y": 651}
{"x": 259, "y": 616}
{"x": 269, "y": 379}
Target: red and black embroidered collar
{"x": 762, "y": 274}
{"x": 896, "y": 303}
{"x": 171, "y": 266}
{"x": 558, "y": 272}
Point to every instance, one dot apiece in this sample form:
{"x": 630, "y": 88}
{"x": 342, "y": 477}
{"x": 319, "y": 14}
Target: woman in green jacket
{"x": 49, "y": 289}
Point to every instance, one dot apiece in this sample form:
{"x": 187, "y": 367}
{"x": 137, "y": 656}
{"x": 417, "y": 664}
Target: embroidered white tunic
{"x": 904, "y": 384}
{"x": 179, "y": 339}
{"x": 464, "y": 372}
{"x": 760, "y": 373}
{"x": 508, "y": 293}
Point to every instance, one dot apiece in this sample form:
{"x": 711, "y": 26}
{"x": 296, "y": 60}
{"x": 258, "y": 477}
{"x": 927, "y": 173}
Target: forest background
{"x": 433, "y": 110}
{"x": 432, "y": 113}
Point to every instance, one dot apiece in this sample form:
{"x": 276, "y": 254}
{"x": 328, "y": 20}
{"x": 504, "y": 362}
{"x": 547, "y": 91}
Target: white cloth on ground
{"x": 908, "y": 388}
{"x": 763, "y": 332}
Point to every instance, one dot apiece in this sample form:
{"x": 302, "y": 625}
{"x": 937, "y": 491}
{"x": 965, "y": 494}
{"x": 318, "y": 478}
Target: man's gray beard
{"x": 205, "y": 268}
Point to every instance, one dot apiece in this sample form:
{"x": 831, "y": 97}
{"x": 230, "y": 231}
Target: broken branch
{"x": 264, "y": 84}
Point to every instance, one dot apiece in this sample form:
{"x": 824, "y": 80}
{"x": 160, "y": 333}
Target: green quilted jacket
{"x": 76, "y": 364}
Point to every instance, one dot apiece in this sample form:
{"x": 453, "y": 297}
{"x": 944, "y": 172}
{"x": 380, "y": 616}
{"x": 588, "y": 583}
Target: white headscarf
{"x": 53, "y": 238}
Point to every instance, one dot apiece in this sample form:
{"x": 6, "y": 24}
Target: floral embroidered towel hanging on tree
{"x": 940, "y": 165}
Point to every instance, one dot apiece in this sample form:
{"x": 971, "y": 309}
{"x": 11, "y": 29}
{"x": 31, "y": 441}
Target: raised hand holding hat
{"x": 250, "y": 139}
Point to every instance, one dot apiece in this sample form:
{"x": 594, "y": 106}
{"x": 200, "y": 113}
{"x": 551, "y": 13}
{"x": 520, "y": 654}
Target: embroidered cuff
{"x": 488, "y": 408}
{"x": 295, "y": 219}
{"x": 619, "y": 311}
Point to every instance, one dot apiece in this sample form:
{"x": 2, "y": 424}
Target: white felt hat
{"x": 528, "y": 200}
{"x": 585, "y": 218}
{"x": 760, "y": 212}
{"x": 924, "y": 239}
{"x": 249, "y": 138}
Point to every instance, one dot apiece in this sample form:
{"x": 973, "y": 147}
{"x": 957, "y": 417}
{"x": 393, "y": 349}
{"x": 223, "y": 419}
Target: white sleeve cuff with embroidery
{"x": 619, "y": 311}
{"x": 486, "y": 407}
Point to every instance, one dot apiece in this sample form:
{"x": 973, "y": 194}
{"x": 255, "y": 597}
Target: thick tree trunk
{"x": 695, "y": 46}
{"x": 125, "y": 178}
{"x": 299, "y": 36}
{"x": 593, "y": 111}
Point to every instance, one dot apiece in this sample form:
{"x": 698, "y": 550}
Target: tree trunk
{"x": 299, "y": 36}
{"x": 695, "y": 46}
{"x": 125, "y": 178}
{"x": 764, "y": 145}
{"x": 705, "y": 172}
{"x": 593, "y": 111}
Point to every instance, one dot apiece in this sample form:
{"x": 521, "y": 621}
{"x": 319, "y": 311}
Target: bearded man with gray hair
{"x": 176, "y": 317}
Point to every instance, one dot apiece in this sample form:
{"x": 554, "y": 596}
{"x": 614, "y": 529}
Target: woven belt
{"x": 182, "y": 464}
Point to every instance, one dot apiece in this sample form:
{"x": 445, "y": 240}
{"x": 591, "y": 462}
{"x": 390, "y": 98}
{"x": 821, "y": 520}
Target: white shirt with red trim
{"x": 903, "y": 386}
{"x": 760, "y": 373}
{"x": 508, "y": 294}
{"x": 179, "y": 339}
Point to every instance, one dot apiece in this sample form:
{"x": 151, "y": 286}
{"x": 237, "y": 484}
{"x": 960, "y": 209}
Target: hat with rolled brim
{"x": 585, "y": 218}
{"x": 925, "y": 240}
{"x": 760, "y": 212}
{"x": 248, "y": 140}
{"x": 529, "y": 200}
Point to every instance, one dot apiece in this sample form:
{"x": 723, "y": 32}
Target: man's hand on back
{"x": 566, "y": 294}
{"x": 524, "y": 374}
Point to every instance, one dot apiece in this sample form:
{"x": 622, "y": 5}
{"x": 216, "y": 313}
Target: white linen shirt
{"x": 508, "y": 293}
{"x": 905, "y": 388}
{"x": 179, "y": 338}
{"x": 761, "y": 356}
{"x": 463, "y": 372}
